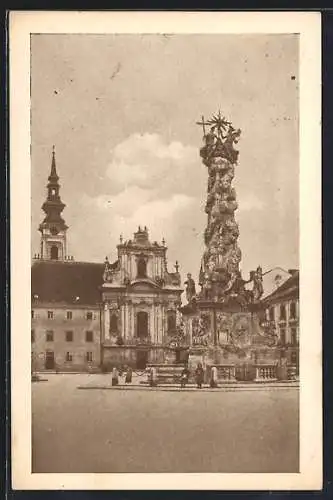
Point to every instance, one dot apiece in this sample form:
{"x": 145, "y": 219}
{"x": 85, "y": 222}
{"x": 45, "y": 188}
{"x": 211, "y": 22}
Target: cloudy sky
{"x": 121, "y": 111}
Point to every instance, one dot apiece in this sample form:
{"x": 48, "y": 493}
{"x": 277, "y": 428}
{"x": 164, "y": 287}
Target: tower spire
{"x": 53, "y": 227}
{"x": 53, "y": 174}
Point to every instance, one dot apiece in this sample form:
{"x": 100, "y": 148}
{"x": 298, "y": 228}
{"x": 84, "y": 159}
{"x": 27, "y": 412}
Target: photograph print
{"x": 165, "y": 253}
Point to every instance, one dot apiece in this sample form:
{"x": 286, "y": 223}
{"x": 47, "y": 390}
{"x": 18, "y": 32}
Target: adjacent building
{"x": 65, "y": 297}
{"x": 282, "y": 315}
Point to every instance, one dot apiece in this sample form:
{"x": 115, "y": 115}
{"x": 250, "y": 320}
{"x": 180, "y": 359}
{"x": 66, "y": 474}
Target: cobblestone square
{"x": 105, "y": 431}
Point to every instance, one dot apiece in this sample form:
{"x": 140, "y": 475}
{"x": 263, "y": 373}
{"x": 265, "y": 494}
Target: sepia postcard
{"x": 165, "y": 201}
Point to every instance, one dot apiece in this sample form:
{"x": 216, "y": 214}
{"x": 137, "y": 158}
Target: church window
{"x": 89, "y": 336}
{"x": 89, "y": 357}
{"x": 54, "y": 252}
{"x": 114, "y": 323}
{"x": 69, "y": 315}
{"x": 69, "y": 357}
{"x": 89, "y": 315}
{"x": 171, "y": 319}
{"x": 49, "y": 314}
{"x": 142, "y": 324}
{"x": 282, "y": 312}
{"x": 49, "y": 336}
{"x": 32, "y": 336}
{"x": 53, "y": 191}
{"x": 142, "y": 268}
{"x": 69, "y": 336}
{"x": 32, "y": 314}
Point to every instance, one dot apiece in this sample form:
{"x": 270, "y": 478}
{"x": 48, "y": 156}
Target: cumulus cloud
{"x": 150, "y": 182}
{"x": 148, "y": 162}
{"x": 161, "y": 216}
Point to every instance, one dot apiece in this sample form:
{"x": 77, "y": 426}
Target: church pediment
{"x": 144, "y": 285}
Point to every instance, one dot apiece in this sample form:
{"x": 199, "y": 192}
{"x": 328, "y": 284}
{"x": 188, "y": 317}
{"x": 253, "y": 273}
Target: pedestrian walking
{"x": 128, "y": 377}
{"x": 115, "y": 376}
{"x": 184, "y": 377}
{"x": 199, "y": 376}
{"x": 153, "y": 377}
{"x": 213, "y": 377}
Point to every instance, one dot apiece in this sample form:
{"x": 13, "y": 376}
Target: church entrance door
{"x": 141, "y": 359}
{"x": 142, "y": 325}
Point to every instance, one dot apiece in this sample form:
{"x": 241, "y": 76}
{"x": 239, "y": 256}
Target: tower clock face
{"x": 54, "y": 230}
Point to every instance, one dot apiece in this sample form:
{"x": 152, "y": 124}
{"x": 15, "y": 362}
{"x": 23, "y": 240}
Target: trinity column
{"x": 222, "y": 317}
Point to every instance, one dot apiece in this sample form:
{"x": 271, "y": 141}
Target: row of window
{"x": 69, "y": 315}
{"x": 69, "y": 357}
{"x": 69, "y": 336}
{"x": 283, "y": 312}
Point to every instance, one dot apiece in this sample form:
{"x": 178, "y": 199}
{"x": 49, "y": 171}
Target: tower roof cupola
{"x": 53, "y": 206}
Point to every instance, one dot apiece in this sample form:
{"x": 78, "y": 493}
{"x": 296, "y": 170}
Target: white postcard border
{"x": 22, "y": 24}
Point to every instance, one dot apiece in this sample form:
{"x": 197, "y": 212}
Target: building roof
{"x": 288, "y": 290}
{"x": 66, "y": 282}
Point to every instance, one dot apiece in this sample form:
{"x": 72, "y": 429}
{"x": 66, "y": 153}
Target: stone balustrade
{"x": 292, "y": 372}
{"x": 265, "y": 373}
{"x": 166, "y": 374}
{"x": 226, "y": 373}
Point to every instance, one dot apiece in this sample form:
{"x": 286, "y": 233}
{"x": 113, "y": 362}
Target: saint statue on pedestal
{"x": 190, "y": 288}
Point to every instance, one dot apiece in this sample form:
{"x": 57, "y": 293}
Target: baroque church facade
{"x": 88, "y": 316}
{"x": 141, "y": 300}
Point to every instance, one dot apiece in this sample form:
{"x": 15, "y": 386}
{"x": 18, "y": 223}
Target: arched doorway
{"x": 142, "y": 324}
{"x": 54, "y": 252}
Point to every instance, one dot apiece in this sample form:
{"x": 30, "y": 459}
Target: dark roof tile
{"x": 289, "y": 288}
{"x": 56, "y": 281}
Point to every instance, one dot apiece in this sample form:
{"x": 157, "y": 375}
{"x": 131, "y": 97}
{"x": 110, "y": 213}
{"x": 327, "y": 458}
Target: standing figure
{"x": 128, "y": 377}
{"x": 213, "y": 377}
{"x": 210, "y": 140}
{"x": 190, "y": 288}
{"x": 153, "y": 377}
{"x": 184, "y": 377}
{"x": 199, "y": 376}
{"x": 115, "y": 376}
{"x": 258, "y": 288}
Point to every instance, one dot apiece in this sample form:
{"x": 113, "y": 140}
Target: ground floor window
{"x": 89, "y": 356}
{"x": 69, "y": 356}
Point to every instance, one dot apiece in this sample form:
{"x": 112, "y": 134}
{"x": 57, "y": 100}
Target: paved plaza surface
{"x": 101, "y": 430}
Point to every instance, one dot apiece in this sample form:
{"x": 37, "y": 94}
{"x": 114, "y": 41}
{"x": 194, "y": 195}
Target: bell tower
{"x": 53, "y": 228}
